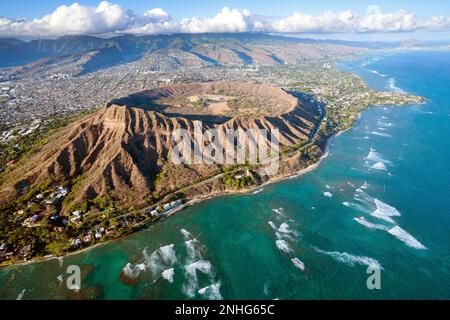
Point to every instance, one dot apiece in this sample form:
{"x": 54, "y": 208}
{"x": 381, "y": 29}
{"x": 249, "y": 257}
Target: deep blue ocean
{"x": 381, "y": 198}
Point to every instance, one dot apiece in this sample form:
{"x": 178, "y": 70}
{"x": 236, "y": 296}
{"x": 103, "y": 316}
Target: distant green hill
{"x": 16, "y": 52}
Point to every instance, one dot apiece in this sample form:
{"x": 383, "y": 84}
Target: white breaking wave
{"x": 328, "y": 194}
{"x": 350, "y": 259}
{"x": 396, "y": 231}
{"x": 379, "y": 166}
{"x": 279, "y": 211}
{"x": 406, "y": 238}
{"x": 133, "y": 270}
{"x": 381, "y": 216}
{"x": 381, "y": 134}
{"x": 384, "y": 124}
{"x": 153, "y": 262}
{"x": 385, "y": 211}
{"x": 392, "y": 85}
{"x": 200, "y": 265}
{"x": 192, "y": 250}
{"x": 284, "y": 230}
{"x": 186, "y": 234}
{"x": 282, "y": 245}
{"x": 211, "y": 292}
{"x": 377, "y": 73}
{"x": 282, "y": 236}
{"x": 274, "y": 227}
{"x": 168, "y": 274}
{"x": 168, "y": 254}
{"x": 191, "y": 287}
{"x": 365, "y": 185}
{"x": 357, "y": 207}
{"x": 156, "y": 262}
{"x": 258, "y": 191}
{"x": 298, "y": 263}
{"x": 370, "y": 225}
{"x": 364, "y": 198}
{"x": 21, "y": 295}
{"x": 374, "y": 156}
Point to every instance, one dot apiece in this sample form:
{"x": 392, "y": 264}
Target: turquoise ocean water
{"x": 380, "y": 198}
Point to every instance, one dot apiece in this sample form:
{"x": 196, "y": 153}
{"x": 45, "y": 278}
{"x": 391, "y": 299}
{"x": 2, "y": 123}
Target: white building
{"x": 175, "y": 204}
{"x": 154, "y": 213}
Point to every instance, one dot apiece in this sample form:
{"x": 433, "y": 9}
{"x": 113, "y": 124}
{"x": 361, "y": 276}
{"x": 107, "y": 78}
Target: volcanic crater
{"x": 215, "y": 101}
{"x": 122, "y": 150}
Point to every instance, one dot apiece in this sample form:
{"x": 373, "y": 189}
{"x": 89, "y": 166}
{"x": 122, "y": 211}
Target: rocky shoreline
{"x": 192, "y": 202}
{"x": 292, "y": 164}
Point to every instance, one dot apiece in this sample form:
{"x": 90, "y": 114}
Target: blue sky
{"x": 202, "y": 8}
{"x": 350, "y": 19}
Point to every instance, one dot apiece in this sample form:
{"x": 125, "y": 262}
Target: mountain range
{"x": 210, "y": 48}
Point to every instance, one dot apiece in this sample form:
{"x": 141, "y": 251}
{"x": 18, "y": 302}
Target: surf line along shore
{"x": 191, "y": 202}
{"x": 323, "y": 140}
{"x": 200, "y": 198}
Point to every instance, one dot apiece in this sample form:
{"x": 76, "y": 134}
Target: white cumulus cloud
{"x": 227, "y": 20}
{"x": 110, "y": 18}
{"x": 157, "y": 15}
{"x": 327, "y": 22}
{"x": 70, "y": 20}
{"x": 347, "y": 21}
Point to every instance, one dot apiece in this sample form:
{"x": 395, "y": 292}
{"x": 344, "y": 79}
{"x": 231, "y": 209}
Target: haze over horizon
{"x": 354, "y": 20}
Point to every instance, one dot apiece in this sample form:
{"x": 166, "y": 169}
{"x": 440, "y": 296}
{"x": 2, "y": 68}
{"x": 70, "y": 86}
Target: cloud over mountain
{"x": 109, "y": 18}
